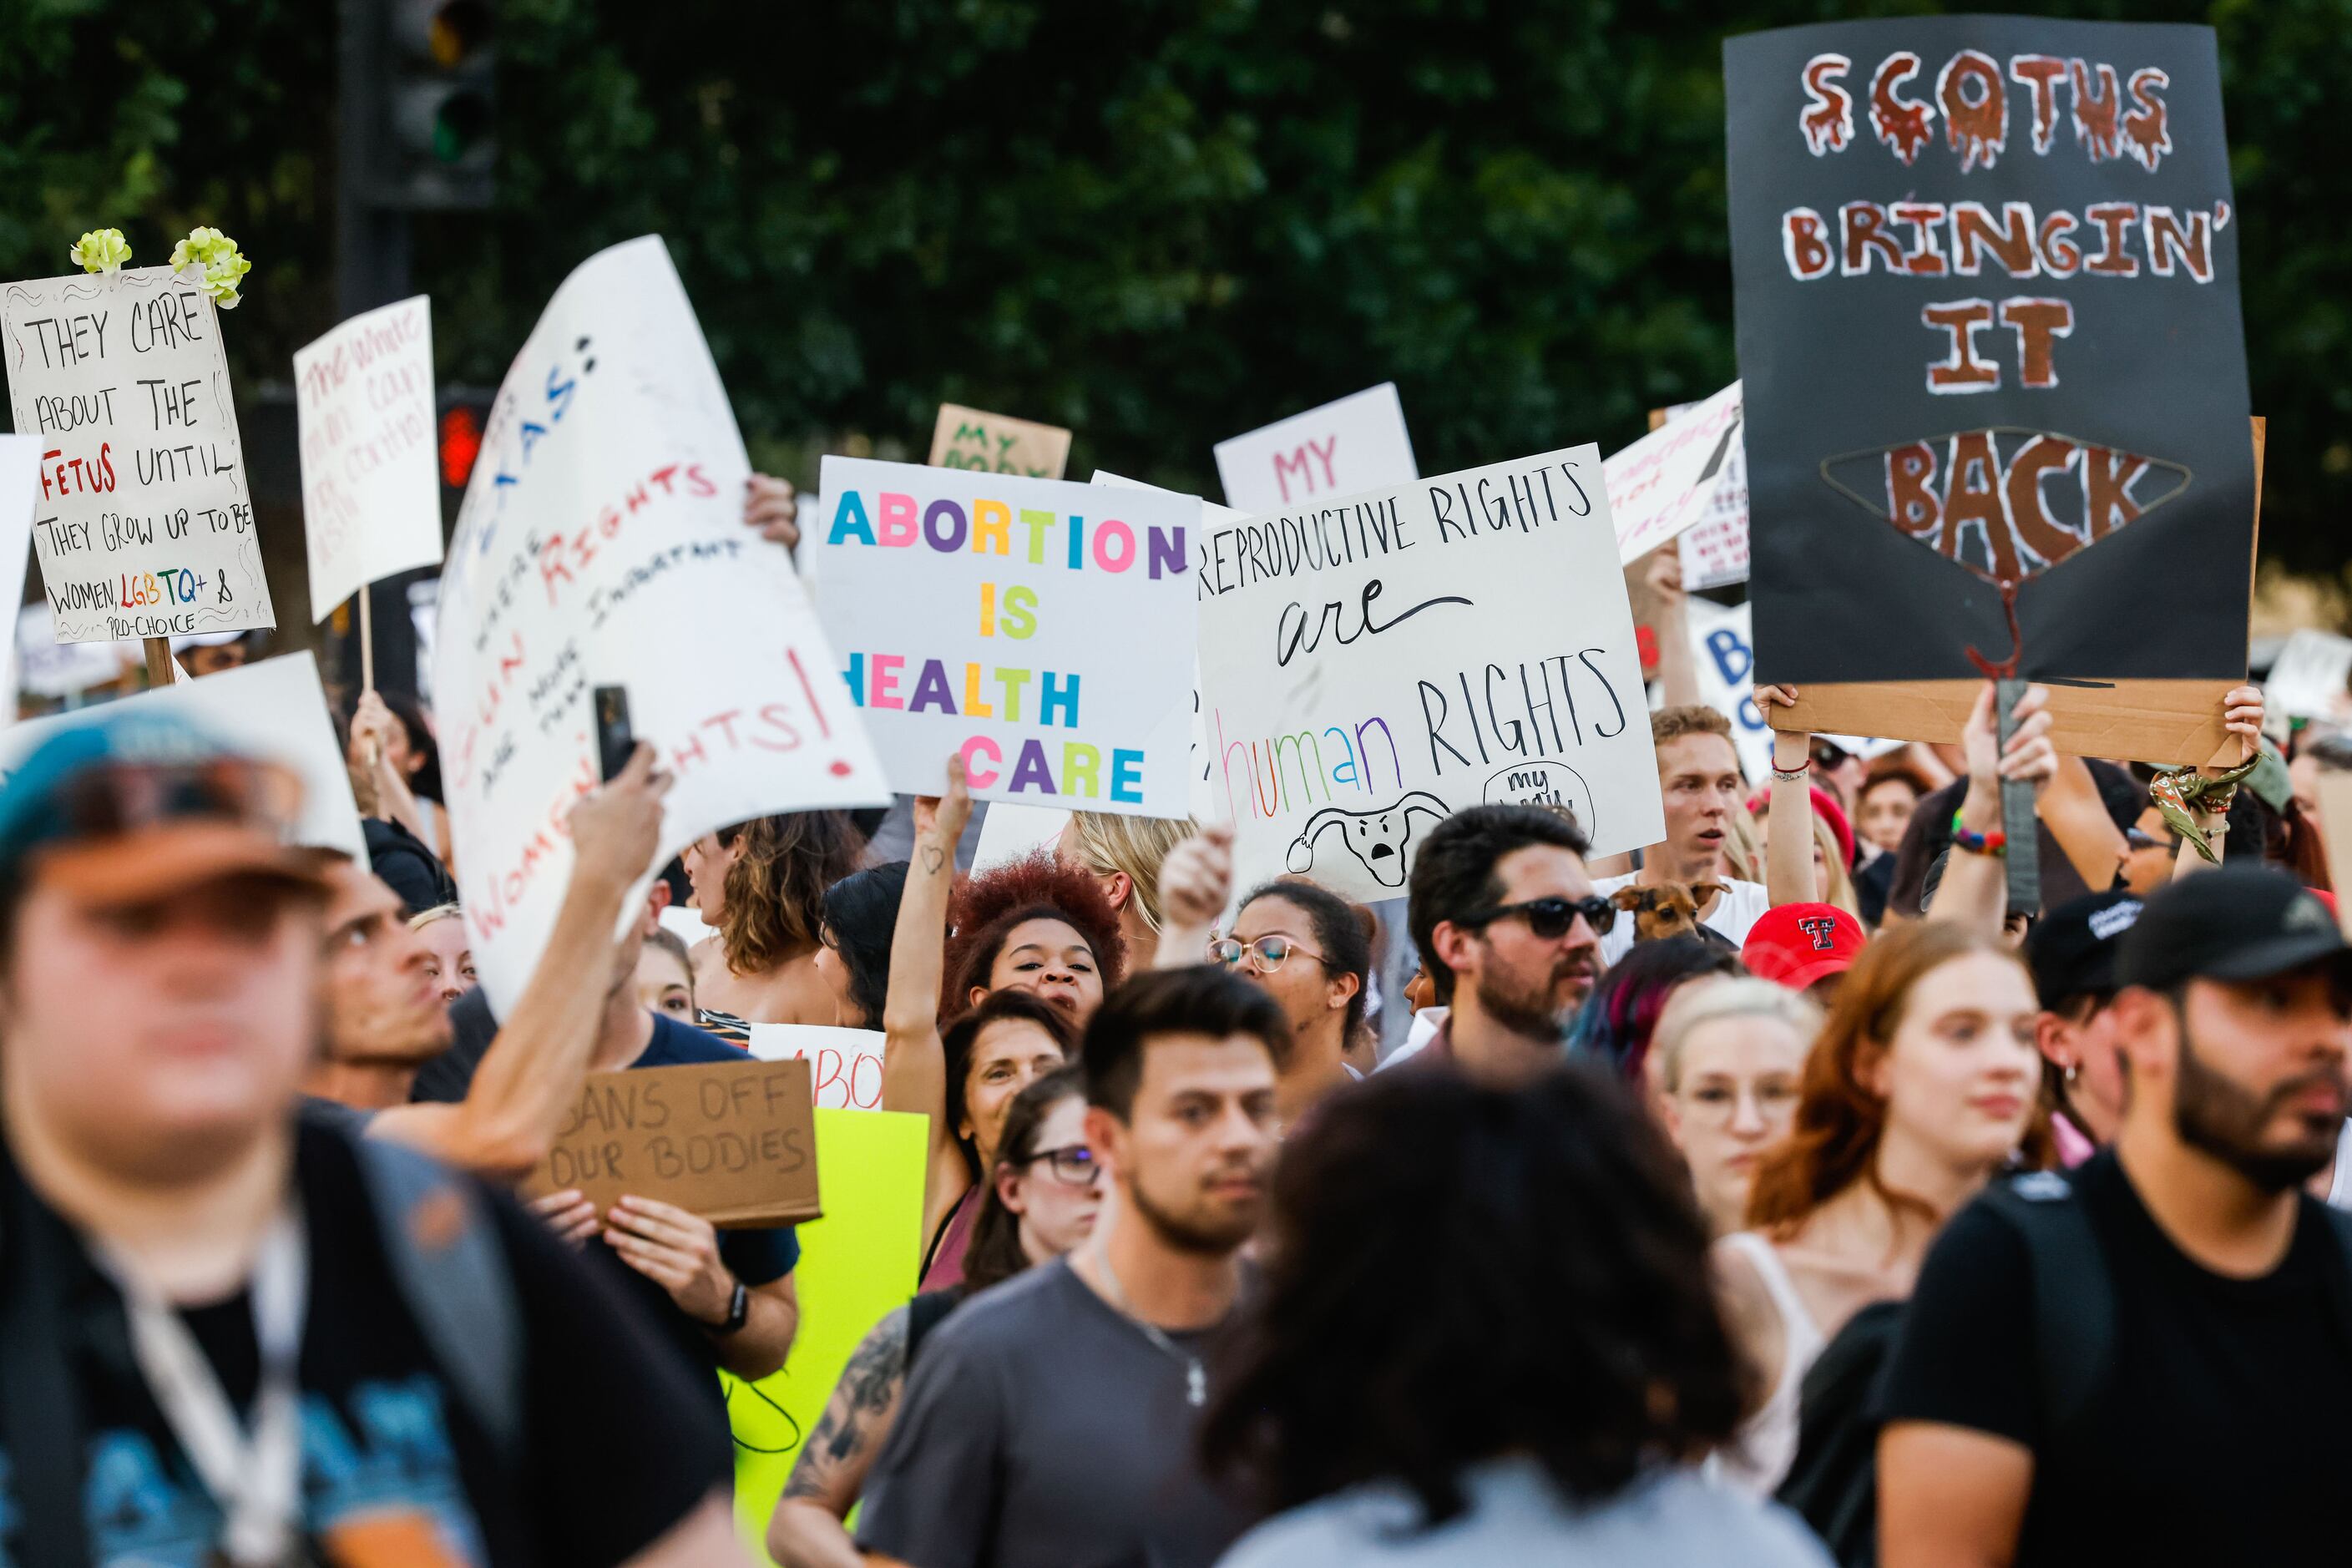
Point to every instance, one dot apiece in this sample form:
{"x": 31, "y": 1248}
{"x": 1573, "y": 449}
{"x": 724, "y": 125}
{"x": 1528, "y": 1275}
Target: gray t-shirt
{"x": 1041, "y": 1429}
{"x": 1668, "y": 1520}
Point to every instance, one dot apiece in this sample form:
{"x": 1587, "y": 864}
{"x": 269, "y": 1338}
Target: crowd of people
{"x": 1780, "y": 1194}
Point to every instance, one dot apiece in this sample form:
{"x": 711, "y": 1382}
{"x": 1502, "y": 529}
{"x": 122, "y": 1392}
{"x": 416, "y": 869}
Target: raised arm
{"x": 2241, "y": 715}
{"x": 2077, "y": 818}
{"x": 531, "y": 1074}
{"x": 1975, "y": 889}
{"x": 1196, "y": 882}
{"x": 1788, "y": 858}
{"x": 914, "y": 1062}
{"x": 395, "y": 801}
{"x": 807, "y": 1529}
{"x": 1670, "y": 622}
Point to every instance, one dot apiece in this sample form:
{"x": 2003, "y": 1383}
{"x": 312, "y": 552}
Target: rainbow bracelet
{"x": 1994, "y": 843}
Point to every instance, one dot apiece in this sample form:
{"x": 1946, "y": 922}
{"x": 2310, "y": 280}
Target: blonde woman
{"x": 1726, "y": 1062}
{"x": 451, "y": 969}
{"x": 1124, "y": 855}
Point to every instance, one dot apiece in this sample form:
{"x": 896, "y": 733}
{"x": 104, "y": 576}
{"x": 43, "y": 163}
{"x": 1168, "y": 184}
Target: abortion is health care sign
{"x": 1042, "y": 630}
{"x": 144, "y": 527}
{"x": 602, "y": 542}
{"x": 1377, "y": 663}
{"x": 370, "y": 488}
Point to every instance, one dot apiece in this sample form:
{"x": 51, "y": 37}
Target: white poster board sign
{"x": 844, "y": 1065}
{"x": 48, "y": 669}
{"x": 275, "y": 710}
{"x": 144, "y": 528}
{"x": 1660, "y": 485}
{"x": 1723, "y": 643}
{"x": 1041, "y": 630}
{"x": 1357, "y": 443}
{"x": 20, "y": 490}
{"x": 2309, "y": 678}
{"x": 1010, "y": 832}
{"x": 1373, "y": 665}
{"x": 370, "y": 484}
{"x": 602, "y": 542}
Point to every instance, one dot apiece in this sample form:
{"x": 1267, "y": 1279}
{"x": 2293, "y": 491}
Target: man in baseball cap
{"x": 1805, "y": 947}
{"x": 2071, "y": 952}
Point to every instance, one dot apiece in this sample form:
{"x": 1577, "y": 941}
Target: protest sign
{"x": 1346, "y": 720}
{"x": 274, "y": 710}
{"x": 1010, "y": 833}
{"x": 857, "y": 1264}
{"x": 1987, "y": 286}
{"x": 602, "y": 542}
{"x": 1042, "y": 630}
{"x": 1661, "y": 484}
{"x": 20, "y": 489}
{"x": 49, "y": 669}
{"x": 731, "y": 1142}
{"x": 371, "y": 487}
{"x": 997, "y": 443}
{"x": 144, "y": 528}
{"x": 1357, "y": 443}
{"x": 846, "y": 1064}
{"x": 1714, "y": 548}
{"x": 2311, "y": 677}
{"x": 1723, "y": 647}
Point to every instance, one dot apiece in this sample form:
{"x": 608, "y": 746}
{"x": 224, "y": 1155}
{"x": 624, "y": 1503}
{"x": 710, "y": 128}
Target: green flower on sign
{"x": 100, "y": 251}
{"x": 217, "y": 255}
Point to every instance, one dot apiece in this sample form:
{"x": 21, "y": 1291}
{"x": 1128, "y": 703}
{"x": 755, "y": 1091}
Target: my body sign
{"x": 1987, "y": 275}
{"x": 1042, "y": 630}
{"x": 370, "y": 489}
{"x": 601, "y": 542}
{"x": 1376, "y": 664}
{"x": 143, "y": 526}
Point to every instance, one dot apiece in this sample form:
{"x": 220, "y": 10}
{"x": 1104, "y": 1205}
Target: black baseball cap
{"x": 2237, "y": 924}
{"x": 2072, "y": 950}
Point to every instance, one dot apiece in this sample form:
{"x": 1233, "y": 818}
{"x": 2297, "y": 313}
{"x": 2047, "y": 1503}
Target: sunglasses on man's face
{"x": 1551, "y": 919}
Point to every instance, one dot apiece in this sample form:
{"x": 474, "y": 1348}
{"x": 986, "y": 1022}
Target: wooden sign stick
{"x": 162, "y": 670}
{"x": 367, "y": 640}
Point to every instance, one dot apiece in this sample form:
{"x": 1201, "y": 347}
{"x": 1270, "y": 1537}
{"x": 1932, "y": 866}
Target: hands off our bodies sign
{"x": 1042, "y": 630}
{"x": 1987, "y": 275}
{"x": 143, "y": 527}
{"x": 601, "y": 542}
{"x": 1373, "y": 665}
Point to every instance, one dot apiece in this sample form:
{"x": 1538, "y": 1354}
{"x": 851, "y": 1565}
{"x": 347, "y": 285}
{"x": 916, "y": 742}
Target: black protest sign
{"x": 1987, "y": 272}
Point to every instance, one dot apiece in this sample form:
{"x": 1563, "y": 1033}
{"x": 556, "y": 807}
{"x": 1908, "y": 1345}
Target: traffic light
{"x": 434, "y": 117}
{"x": 457, "y": 441}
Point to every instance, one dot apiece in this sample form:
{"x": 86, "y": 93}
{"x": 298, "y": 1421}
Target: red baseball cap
{"x": 1797, "y": 944}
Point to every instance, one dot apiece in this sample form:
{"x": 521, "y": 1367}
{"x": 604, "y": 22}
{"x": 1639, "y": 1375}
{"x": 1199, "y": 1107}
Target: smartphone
{"x": 614, "y": 740}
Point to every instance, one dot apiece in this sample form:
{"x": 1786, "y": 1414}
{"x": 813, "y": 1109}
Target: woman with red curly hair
{"x": 1034, "y": 946}
{"x": 1921, "y": 1086}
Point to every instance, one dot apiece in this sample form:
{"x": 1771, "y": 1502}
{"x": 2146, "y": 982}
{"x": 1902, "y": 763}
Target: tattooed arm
{"x": 806, "y": 1530}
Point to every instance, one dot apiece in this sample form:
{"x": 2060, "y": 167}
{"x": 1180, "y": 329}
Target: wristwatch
{"x": 739, "y": 1312}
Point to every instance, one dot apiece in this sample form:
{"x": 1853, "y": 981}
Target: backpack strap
{"x": 2073, "y": 1298}
{"x": 444, "y": 1252}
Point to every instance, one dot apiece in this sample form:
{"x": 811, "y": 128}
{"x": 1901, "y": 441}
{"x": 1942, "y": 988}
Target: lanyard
{"x": 257, "y": 1479}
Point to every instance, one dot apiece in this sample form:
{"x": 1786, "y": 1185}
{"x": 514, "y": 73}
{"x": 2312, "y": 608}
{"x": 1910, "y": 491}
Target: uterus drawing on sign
{"x": 1378, "y": 838}
{"x": 1543, "y": 782}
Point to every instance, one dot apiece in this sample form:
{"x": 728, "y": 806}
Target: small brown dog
{"x": 1664, "y": 908}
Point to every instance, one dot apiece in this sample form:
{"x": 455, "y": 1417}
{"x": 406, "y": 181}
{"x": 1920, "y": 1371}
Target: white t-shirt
{"x": 1741, "y": 906}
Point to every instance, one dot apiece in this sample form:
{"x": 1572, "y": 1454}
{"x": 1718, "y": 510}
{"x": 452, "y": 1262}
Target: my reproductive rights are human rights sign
{"x": 1042, "y": 630}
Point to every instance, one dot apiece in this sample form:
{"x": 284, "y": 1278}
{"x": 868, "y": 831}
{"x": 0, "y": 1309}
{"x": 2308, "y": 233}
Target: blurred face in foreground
{"x": 1735, "y": 1098}
{"x": 157, "y": 1039}
{"x": 1192, "y": 1158}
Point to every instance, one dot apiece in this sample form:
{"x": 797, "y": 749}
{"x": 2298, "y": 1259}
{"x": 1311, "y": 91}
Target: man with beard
{"x": 2148, "y": 1359}
{"x": 1508, "y": 923}
{"x": 1051, "y": 1420}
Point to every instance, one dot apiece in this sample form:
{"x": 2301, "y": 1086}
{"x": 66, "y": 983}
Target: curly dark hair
{"x": 775, "y": 890}
{"x": 1547, "y": 1293}
{"x": 861, "y": 916}
{"x": 988, "y": 905}
{"x": 962, "y": 1037}
{"x": 1454, "y": 872}
{"x": 1616, "y": 1023}
{"x": 1339, "y": 931}
{"x": 994, "y": 1253}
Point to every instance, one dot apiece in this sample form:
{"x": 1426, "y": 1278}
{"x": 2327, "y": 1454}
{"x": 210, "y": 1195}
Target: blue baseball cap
{"x": 139, "y": 806}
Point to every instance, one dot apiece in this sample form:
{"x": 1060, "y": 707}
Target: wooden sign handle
{"x": 161, "y": 668}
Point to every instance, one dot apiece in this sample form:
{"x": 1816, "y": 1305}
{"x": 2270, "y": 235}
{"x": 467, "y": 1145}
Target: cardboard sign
{"x": 732, "y": 1142}
{"x": 847, "y": 1063}
{"x": 997, "y": 443}
{"x": 1987, "y": 286}
{"x": 1370, "y": 667}
{"x": 2311, "y": 677}
{"x": 144, "y": 528}
{"x": 274, "y": 710}
{"x": 1357, "y": 443}
{"x": 371, "y": 483}
{"x": 602, "y": 542}
{"x": 857, "y": 1264}
{"x": 1661, "y": 484}
{"x": 1042, "y": 630}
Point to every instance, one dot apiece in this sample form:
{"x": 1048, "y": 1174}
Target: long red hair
{"x": 1833, "y": 1141}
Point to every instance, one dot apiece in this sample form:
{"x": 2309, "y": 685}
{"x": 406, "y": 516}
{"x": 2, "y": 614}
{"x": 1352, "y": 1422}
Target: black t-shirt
{"x": 755, "y": 1257}
{"x": 2217, "y": 1436}
{"x": 614, "y": 1453}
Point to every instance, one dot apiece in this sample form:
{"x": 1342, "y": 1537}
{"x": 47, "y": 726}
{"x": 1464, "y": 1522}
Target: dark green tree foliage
{"x": 1159, "y": 222}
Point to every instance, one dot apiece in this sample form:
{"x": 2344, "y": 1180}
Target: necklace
{"x": 1196, "y": 1379}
